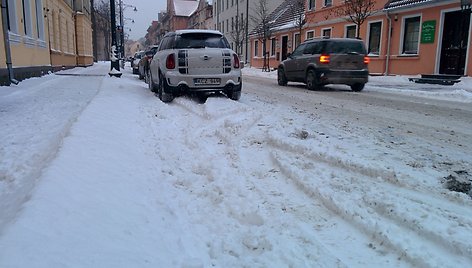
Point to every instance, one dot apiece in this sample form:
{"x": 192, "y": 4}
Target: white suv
{"x": 197, "y": 61}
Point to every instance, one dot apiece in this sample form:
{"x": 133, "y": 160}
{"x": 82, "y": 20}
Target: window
{"x": 310, "y": 35}
{"x": 351, "y": 31}
{"x": 11, "y": 16}
{"x": 201, "y": 40}
{"x": 39, "y": 20}
{"x": 28, "y": 24}
{"x": 375, "y": 29}
{"x": 299, "y": 50}
{"x": 296, "y": 40}
{"x": 326, "y": 32}
{"x": 227, "y": 25}
{"x": 223, "y": 26}
{"x": 311, "y": 4}
{"x": 328, "y": 3}
{"x": 411, "y": 35}
{"x": 256, "y": 48}
{"x": 273, "y": 43}
{"x": 232, "y": 23}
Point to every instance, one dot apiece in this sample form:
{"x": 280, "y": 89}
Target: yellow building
{"x": 70, "y": 33}
{"x": 24, "y": 28}
{"x": 44, "y": 35}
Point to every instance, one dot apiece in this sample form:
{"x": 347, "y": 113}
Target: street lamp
{"x": 122, "y": 18}
{"x": 115, "y": 65}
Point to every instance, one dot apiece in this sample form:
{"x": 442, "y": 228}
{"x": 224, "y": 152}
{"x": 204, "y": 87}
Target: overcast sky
{"x": 147, "y": 12}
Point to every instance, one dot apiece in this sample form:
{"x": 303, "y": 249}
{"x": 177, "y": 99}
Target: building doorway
{"x": 454, "y": 43}
{"x": 284, "y": 47}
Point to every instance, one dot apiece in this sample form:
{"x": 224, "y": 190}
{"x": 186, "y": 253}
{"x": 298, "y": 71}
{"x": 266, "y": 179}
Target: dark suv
{"x": 318, "y": 62}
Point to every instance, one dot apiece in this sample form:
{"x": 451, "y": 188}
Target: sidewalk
{"x": 36, "y": 108}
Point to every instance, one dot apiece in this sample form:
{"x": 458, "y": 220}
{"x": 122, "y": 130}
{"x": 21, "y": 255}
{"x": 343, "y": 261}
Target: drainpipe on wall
{"x": 6, "y": 39}
{"x": 387, "y": 58}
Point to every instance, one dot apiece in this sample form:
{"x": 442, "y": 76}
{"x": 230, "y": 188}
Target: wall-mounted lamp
{"x": 395, "y": 18}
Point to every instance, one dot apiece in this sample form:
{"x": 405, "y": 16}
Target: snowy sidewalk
{"x": 100, "y": 215}
{"x": 36, "y": 115}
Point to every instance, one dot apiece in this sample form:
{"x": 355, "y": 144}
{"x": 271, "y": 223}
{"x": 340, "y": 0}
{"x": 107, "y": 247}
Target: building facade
{"x": 404, "y": 37}
{"x": 202, "y": 18}
{"x": 44, "y": 35}
{"x": 24, "y": 40}
{"x": 234, "y": 19}
{"x": 178, "y": 14}
{"x": 70, "y": 33}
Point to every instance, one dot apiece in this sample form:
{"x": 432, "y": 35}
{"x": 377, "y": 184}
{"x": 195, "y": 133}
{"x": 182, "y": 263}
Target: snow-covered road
{"x": 283, "y": 178}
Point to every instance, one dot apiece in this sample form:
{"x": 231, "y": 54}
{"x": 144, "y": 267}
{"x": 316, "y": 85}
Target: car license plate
{"x": 206, "y": 81}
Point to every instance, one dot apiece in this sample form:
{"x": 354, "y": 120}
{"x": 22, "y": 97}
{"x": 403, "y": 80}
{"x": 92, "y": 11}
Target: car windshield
{"x": 201, "y": 40}
{"x": 343, "y": 47}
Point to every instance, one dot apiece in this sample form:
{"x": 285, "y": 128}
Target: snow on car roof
{"x": 197, "y": 31}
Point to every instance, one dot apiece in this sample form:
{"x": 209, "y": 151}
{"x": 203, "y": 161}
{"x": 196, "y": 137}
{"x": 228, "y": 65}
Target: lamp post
{"x": 122, "y": 35}
{"x": 115, "y": 65}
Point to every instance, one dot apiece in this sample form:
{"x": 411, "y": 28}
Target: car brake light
{"x": 366, "y": 60}
{"x": 170, "y": 61}
{"x": 324, "y": 59}
{"x": 236, "y": 61}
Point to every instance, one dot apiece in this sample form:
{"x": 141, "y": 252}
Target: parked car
{"x": 135, "y": 63}
{"x": 195, "y": 61}
{"x": 143, "y": 64}
{"x": 323, "y": 61}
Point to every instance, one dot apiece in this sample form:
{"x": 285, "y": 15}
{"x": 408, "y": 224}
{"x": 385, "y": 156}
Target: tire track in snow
{"x": 223, "y": 182}
{"x": 337, "y": 195}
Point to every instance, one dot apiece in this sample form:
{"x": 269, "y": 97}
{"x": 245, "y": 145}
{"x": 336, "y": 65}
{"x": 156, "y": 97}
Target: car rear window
{"x": 201, "y": 40}
{"x": 344, "y": 47}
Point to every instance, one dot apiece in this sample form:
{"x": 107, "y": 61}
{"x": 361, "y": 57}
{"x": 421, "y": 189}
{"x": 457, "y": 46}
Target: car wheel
{"x": 163, "y": 96}
{"x": 311, "y": 81}
{"x": 281, "y": 78}
{"x": 146, "y": 77}
{"x": 357, "y": 87}
{"x": 235, "y": 95}
{"x": 153, "y": 87}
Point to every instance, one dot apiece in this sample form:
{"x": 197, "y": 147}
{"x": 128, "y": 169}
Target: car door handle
{"x": 205, "y": 57}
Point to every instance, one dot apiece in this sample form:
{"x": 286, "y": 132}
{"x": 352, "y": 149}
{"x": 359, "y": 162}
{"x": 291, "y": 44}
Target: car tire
{"x": 153, "y": 87}
{"x": 164, "y": 96}
{"x": 311, "y": 80}
{"x": 357, "y": 87}
{"x": 235, "y": 95}
{"x": 281, "y": 78}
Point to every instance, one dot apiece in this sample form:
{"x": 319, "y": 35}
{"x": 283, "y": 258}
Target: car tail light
{"x": 366, "y": 60}
{"x": 236, "y": 61}
{"x": 170, "y": 61}
{"x": 324, "y": 59}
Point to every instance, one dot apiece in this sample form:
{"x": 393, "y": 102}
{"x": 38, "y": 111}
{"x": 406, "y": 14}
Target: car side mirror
{"x": 289, "y": 55}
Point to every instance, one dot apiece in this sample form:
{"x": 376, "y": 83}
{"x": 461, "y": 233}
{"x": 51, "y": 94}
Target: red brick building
{"x": 406, "y": 37}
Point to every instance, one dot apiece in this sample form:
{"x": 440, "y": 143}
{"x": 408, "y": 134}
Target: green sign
{"x": 427, "y": 32}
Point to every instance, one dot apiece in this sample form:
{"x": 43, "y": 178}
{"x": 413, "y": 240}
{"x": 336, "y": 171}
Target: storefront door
{"x": 284, "y": 47}
{"x": 454, "y": 43}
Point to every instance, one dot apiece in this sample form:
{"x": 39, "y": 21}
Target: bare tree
{"x": 356, "y": 11}
{"x": 102, "y": 27}
{"x": 238, "y": 35}
{"x": 296, "y": 9}
{"x": 263, "y": 31}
